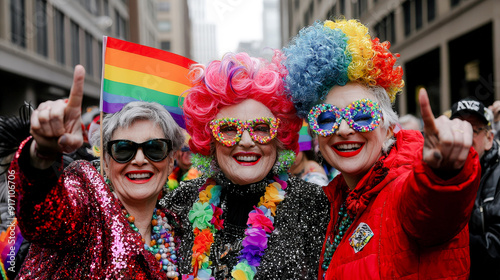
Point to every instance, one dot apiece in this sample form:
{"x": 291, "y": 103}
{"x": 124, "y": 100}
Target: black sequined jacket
{"x": 294, "y": 247}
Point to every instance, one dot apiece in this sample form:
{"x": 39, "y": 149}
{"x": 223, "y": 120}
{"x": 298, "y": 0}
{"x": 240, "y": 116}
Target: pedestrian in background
{"x": 484, "y": 225}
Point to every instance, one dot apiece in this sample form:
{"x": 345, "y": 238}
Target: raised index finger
{"x": 76, "y": 93}
{"x": 426, "y": 111}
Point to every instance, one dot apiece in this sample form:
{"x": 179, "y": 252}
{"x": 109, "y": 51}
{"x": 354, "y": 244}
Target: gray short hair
{"x": 388, "y": 113}
{"x": 140, "y": 110}
{"x": 390, "y": 116}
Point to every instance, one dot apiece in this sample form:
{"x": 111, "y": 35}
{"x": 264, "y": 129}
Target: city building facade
{"x": 174, "y": 26}
{"x": 42, "y": 40}
{"x": 446, "y": 46}
{"x": 204, "y": 32}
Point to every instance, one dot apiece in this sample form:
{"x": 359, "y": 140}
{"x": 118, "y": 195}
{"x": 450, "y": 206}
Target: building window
{"x": 342, "y": 7}
{"x": 165, "y": 45}
{"x": 308, "y": 14}
{"x": 18, "y": 23}
{"x": 164, "y": 6}
{"x": 385, "y": 29}
{"x": 332, "y": 12}
{"x": 75, "y": 44}
{"x": 106, "y": 7}
{"x": 418, "y": 14}
{"x": 431, "y": 10}
{"x": 88, "y": 54}
{"x": 355, "y": 9}
{"x": 297, "y": 4}
{"x": 164, "y": 26}
{"x": 454, "y": 2}
{"x": 99, "y": 51}
{"x": 59, "y": 36}
{"x": 363, "y": 6}
{"x": 407, "y": 17}
{"x": 151, "y": 10}
{"x": 120, "y": 26}
{"x": 41, "y": 27}
{"x": 91, "y": 7}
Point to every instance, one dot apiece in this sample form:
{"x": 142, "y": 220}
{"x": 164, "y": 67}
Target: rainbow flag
{"x": 304, "y": 138}
{"x": 133, "y": 72}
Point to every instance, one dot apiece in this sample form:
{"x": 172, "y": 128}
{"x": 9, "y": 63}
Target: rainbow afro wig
{"x": 333, "y": 53}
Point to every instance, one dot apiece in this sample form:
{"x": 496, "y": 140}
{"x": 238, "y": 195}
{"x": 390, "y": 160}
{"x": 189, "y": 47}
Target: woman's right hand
{"x": 56, "y": 126}
{"x": 447, "y": 142}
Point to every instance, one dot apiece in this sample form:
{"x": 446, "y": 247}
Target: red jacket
{"x": 418, "y": 220}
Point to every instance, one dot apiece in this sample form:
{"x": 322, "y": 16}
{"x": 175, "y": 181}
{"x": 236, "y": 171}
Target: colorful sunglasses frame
{"x": 241, "y": 126}
{"x": 347, "y": 114}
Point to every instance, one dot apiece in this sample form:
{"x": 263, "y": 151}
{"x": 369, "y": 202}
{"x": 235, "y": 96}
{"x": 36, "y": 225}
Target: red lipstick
{"x": 348, "y": 154}
{"x": 247, "y": 163}
{"x": 139, "y": 181}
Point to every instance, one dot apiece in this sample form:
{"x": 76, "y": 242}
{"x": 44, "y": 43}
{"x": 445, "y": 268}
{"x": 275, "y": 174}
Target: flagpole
{"x": 101, "y": 152}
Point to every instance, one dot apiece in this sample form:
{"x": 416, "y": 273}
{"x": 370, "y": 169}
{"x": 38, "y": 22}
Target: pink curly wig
{"x": 230, "y": 81}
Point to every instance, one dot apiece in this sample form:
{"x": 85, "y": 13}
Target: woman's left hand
{"x": 447, "y": 142}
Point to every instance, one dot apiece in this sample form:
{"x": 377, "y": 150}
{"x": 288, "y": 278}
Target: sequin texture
{"x": 76, "y": 227}
{"x": 294, "y": 246}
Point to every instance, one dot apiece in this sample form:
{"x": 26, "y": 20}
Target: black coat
{"x": 484, "y": 224}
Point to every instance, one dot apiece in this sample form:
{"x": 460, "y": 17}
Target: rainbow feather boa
{"x": 205, "y": 216}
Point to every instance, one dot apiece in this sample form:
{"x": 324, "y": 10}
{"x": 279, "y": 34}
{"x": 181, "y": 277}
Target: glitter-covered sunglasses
{"x": 123, "y": 151}
{"x": 362, "y": 115}
{"x": 228, "y": 131}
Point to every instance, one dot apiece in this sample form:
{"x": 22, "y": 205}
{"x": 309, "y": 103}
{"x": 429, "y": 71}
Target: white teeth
{"x": 246, "y": 158}
{"x": 139, "y": 175}
{"x": 348, "y": 146}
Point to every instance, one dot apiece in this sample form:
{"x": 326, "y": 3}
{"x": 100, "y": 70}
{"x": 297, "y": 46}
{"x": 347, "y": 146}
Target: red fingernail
{"x": 66, "y": 100}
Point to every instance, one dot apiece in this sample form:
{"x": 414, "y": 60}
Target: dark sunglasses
{"x": 123, "y": 151}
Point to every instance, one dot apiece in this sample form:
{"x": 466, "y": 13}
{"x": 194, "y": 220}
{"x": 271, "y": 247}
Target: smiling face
{"x": 351, "y": 152}
{"x": 246, "y": 162}
{"x": 140, "y": 178}
{"x": 482, "y": 139}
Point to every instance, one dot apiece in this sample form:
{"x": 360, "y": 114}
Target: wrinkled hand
{"x": 56, "y": 126}
{"x": 447, "y": 142}
{"x": 495, "y": 108}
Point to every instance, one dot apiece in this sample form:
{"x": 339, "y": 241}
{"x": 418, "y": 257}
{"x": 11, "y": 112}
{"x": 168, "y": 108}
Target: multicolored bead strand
{"x": 330, "y": 247}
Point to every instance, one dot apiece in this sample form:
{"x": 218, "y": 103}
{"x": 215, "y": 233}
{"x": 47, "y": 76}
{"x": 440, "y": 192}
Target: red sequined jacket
{"x": 75, "y": 225}
{"x": 409, "y": 223}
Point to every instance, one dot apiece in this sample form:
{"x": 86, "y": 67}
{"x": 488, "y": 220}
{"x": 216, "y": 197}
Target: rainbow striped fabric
{"x": 304, "y": 138}
{"x": 133, "y": 72}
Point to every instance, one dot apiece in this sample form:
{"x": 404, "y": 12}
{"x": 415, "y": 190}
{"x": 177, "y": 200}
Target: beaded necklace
{"x": 343, "y": 223}
{"x": 162, "y": 244}
{"x": 205, "y": 217}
